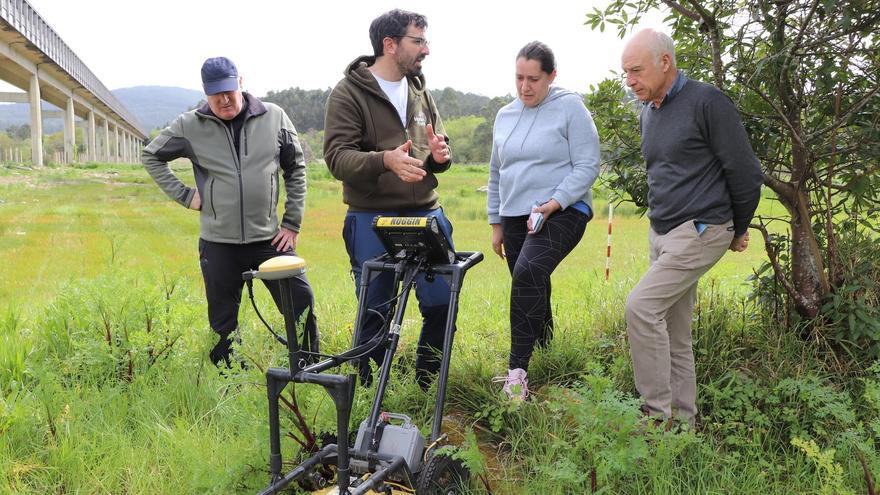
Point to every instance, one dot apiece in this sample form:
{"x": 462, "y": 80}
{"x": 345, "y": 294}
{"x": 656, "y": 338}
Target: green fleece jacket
{"x": 239, "y": 191}
{"x": 361, "y": 124}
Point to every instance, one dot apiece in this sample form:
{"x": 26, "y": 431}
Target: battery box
{"x": 404, "y": 440}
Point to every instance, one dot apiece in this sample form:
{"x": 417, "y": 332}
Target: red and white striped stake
{"x": 608, "y": 252}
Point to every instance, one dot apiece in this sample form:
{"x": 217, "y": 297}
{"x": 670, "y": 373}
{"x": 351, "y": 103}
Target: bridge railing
{"x": 22, "y": 17}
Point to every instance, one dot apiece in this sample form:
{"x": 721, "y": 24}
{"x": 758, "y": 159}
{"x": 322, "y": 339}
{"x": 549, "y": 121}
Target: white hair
{"x": 661, "y": 43}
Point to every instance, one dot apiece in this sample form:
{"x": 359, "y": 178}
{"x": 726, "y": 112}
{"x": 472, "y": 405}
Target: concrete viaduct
{"x": 35, "y": 59}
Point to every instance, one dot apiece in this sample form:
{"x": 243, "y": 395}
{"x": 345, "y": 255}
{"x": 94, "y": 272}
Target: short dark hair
{"x": 536, "y": 50}
{"x": 393, "y": 24}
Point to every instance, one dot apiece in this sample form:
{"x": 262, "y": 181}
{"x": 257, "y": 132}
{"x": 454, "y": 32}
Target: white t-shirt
{"x": 398, "y": 93}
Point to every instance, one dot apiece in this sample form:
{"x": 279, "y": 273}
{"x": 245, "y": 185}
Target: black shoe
{"x": 221, "y": 352}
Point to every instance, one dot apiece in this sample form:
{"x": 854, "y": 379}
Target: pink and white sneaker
{"x": 516, "y": 385}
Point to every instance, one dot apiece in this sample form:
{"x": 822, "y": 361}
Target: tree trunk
{"x": 807, "y": 265}
{"x": 809, "y": 281}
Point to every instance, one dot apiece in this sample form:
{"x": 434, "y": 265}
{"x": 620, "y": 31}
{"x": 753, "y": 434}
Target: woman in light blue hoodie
{"x": 545, "y": 158}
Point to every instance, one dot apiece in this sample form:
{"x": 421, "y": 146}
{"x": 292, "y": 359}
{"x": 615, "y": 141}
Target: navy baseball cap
{"x": 219, "y": 74}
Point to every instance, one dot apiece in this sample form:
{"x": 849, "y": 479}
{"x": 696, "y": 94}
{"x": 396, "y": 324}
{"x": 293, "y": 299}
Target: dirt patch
{"x": 497, "y": 475}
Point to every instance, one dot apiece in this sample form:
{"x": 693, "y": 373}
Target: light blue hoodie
{"x": 550, "y": 151}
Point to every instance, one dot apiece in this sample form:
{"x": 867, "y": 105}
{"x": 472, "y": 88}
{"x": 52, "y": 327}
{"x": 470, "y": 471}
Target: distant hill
{"x": 19, "y": 113}
{"x": 306, "y": 106}
{"x": 156, "y": 106}
{"x": 453, "y": 103}
{"x": 153, "y": 106}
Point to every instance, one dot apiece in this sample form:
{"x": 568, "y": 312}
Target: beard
{"x": 409, "y": 68}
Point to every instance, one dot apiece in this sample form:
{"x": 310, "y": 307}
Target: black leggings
{"x": 531, "y": 259}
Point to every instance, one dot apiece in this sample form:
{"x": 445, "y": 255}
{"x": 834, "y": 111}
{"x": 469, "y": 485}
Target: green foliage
{"x": 453, "y": 103}
{"x": 305, "y": 107}
{"x": 871, "y": 397}
{"x": 96, "y": 336}
{"x": 312, "y": 142}
{"x": 496, "y": 413}
{"x": 830, "y": 472}
{"x": 806, "y": 405}
{"x": 79, "y": 414}
{"x": 461, "y": 132}
{"x": 852, "y": 310}
{"x": 19, "y": 132}
{"x": 796, "y": 71}
{"x": 616, "y": 115}
{"x": 468, "y": 453}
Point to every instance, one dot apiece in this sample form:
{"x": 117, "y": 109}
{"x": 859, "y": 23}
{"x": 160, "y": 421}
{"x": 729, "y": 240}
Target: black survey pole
{"x": 290, "y": 326}
{"x": 366, "y": 275}
{"x": 409, "y": 274}
{"x": 454, "y": 289}
{"x": 274, "y": 387}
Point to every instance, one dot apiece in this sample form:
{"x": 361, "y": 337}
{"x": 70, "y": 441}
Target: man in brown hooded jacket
{"x": 383, "y": 138}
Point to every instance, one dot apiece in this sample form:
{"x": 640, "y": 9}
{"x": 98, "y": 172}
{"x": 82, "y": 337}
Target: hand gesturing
{"x": 437, "y": 143}
{"x": 404, "y": 166}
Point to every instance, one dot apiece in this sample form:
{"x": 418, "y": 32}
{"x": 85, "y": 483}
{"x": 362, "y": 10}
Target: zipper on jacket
{"x": 211, "y": 194}
{"x": 406, "y": 138}
{"x": 237, "y": 161}
{"x": 416, "y": 99}
{"x": 271, "y": 194}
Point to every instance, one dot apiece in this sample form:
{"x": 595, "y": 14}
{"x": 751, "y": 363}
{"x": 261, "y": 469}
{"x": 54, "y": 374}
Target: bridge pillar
{"x": 92, "y": 139}
{"x": 36, "y": 122}
{"x": 69, "y": 131}
{"x": 106, "y": 139}
{"x": 116, "y": 142}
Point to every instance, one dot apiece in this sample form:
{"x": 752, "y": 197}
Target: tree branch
{"x": 782, "y": 80}
{"x": 789, "y": 54}
{"x": 839, "y": 121}
{"x": 794, "y": 132}
{"x": 681, "y": 9}
{"x": 705, "y": 14}
{"x": 853, "y": 29}
{"x": 715, "y": 38}
{"x": 782, "y": 189}
{"x": 773, "y": 256}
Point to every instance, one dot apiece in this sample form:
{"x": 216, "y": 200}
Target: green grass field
{"x": 105, "y": 385}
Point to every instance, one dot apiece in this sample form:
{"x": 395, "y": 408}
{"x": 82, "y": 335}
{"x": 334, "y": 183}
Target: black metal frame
{"x": 341, "y": 387}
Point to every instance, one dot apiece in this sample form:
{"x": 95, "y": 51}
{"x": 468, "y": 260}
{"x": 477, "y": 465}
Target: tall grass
{"x": 105, "y": 386}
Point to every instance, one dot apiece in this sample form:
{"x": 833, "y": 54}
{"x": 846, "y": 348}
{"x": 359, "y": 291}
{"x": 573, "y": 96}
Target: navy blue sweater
{"x": 699, "y": 161}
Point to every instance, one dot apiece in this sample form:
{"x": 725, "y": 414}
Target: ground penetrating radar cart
{"x": 389, "y": 455}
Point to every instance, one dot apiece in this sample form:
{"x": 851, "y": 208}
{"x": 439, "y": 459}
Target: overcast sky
{"x": 281, "y": 44}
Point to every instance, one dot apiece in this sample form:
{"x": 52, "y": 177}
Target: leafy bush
{"x": 114, "y": 328}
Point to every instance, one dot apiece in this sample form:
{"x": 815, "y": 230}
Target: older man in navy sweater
{"x": 704, "y": 185}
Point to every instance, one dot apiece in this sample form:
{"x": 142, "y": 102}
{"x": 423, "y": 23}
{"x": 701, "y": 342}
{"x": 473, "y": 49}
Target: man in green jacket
{"x": 237, "y": 145}
{"x": 383, "y": 138}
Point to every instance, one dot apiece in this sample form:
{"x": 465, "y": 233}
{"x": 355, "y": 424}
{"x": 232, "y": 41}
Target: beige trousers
{"x": 659, "y": 311}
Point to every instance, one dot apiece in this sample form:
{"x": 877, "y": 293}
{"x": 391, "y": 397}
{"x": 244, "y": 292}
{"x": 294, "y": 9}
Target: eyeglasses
{"x": 418, "y": 40}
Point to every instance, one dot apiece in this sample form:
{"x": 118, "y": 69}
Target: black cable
{"x": 371, "y": 344}
{"x": 250, "y": 287}
{"x": 338, "y": 357}
{"x": 377, "y": 339}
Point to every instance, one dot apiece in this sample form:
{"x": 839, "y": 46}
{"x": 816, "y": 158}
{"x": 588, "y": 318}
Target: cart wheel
{"x": 443, "y": 475}
{"x": 317, "y": 479}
